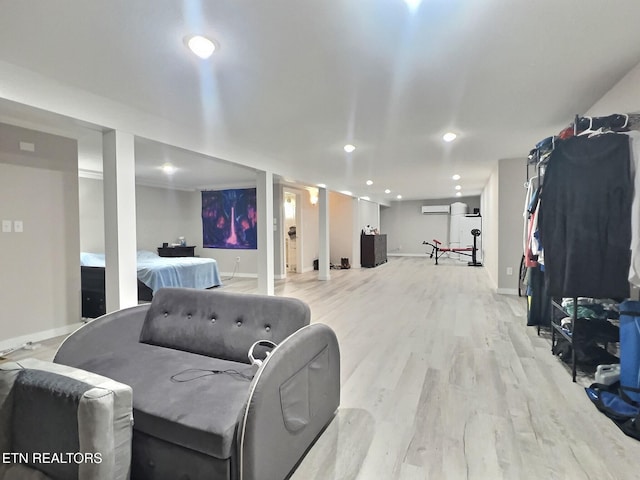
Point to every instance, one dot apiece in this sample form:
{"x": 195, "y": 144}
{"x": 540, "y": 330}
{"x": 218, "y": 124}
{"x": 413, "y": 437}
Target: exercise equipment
{"x": 437, "y": 251}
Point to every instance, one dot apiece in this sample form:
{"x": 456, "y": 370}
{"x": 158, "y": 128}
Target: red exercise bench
{"x": 438, "y": 251}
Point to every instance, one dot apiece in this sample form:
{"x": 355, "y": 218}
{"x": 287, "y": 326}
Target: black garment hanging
{"x": 585, "y": 217}
{"x": 539, "y": 311}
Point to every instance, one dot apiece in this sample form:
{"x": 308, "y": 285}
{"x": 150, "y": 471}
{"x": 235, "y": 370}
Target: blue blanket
{"x": 157, "y": 272}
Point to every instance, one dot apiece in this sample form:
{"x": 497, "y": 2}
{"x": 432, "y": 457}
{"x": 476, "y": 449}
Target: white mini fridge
{"x": 465, "y": 224}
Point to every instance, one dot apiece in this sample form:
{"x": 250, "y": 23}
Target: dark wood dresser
{"x": 177, "y": 251}
{"x": 373, "y": 250}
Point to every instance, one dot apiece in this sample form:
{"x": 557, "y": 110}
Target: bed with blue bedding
{"x": 154, "y": 273}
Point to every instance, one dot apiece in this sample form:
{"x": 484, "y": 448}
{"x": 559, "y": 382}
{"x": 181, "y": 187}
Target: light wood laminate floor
{"x": 441, "y": 379}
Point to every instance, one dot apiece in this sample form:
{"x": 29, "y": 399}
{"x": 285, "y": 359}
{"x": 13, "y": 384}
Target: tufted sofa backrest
{"x": 220, "y": 324}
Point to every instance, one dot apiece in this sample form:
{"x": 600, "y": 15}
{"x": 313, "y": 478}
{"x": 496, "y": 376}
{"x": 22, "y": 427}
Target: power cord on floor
{"x": 233, "y": 274}
{"x": 24, "y": 346}
{"x": 191, "y": 374}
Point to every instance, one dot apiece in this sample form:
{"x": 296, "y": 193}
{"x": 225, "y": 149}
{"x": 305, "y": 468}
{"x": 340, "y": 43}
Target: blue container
{"x": 630, "y": 347}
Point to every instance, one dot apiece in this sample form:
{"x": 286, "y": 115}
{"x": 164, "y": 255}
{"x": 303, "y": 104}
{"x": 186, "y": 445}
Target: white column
{"x": 300, "y": 233}
{"x": 119, "y": 220}
{"x": 355, "y": 233}
{"x": 279, "y": 244}
{"x": 264, "y": 199}
{"x": 323, "y": 244}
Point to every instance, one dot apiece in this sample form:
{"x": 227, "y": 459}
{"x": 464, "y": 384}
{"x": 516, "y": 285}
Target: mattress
{"x": 157, "y": 272}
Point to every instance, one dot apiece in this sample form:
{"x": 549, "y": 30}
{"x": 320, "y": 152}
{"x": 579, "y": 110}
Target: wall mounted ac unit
{"x": 428, "y": 209}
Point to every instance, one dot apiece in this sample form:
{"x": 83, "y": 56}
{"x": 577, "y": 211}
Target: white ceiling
{"x": 293, "y": 81}
{"x": 192, "y": 170}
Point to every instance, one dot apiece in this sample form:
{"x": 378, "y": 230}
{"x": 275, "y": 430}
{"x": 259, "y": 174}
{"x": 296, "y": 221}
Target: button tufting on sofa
{"x": 239, "y": 323}
{"x": 267, "y": 328}
{"x": 189, "y": 316}
{"x": 166, "y": 314}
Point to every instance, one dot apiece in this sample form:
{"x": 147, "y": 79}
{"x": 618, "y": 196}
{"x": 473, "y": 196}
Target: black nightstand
{"x": 177, "y": 251}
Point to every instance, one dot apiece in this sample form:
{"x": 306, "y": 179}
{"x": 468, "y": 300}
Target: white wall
{"x": 162, "y": 215}
{"x": 369, "y": 214}
{"x": 341, "y": 219}
{"x": 406, "y": 227}
{"x": 511, "y": 206}
{"x": 624, "y": 97}
{"x": 91, "y": 198}
{"x": 490, "y": 224}
{"x": 310, "y": 219}
{"x": 503, "y": 200}
{"x": 40, "y": 268}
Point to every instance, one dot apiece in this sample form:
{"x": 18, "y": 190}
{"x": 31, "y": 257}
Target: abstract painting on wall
{"x": 229, "y": 219}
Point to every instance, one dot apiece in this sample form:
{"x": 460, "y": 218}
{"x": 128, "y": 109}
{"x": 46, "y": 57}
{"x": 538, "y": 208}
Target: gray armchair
{"x": 201, "y": 409}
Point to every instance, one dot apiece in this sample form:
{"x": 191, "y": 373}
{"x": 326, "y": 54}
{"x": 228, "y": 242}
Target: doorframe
{"x": 299, "y": 196}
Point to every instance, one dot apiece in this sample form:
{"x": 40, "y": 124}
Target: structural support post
{"x": 279, "y": 244}
{"x": 119, "y": 220}
{"x": 264, "y": 199}
{"x": 323, "y": 244}
{"x": 355, "y": 233}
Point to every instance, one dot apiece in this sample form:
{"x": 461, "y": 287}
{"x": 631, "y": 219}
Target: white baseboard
{"x": 39, "y": 336}
{"x": 507, "y": 291}
{"x": 228, "y": 275}
{"x": 407, "y": 254}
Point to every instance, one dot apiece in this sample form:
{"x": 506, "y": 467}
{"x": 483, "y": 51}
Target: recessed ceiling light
{"x": 349, "y": 148}
{"x": 387, "y": 191}
{"x": 365, "y": 198}
{"x": 399, "y": 197}
{"x": 458, "y": 194}
{"x": 456, "y": 177}
{"x": 458, "y": 187}
{"x": 346, "y": 192}
{"x": 413, "y": 4}
{"x": 168, "y": 169}
{"x": 201, "y": 46}
{"x": 369, "y": 182}
{"x": 449, "y": 137}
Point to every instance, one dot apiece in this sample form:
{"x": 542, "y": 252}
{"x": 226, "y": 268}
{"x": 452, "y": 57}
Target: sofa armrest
{"x": 63, "y": 422}
{"x": 293, "y": 396}
{"x": 102, "y": 335}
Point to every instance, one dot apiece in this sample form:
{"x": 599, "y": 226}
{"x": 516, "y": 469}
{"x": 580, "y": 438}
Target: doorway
{"x": 292, "y": 232}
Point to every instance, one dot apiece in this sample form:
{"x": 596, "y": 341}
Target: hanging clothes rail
{"x": 539, "y": 157}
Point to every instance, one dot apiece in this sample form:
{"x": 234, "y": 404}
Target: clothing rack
{"x": 538, "y": 157}
{"x": 574, "y": 317}
{"x": 618, "y": 122}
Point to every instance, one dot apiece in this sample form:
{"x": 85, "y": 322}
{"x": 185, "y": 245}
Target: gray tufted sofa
{"x": 201, "y": 410}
